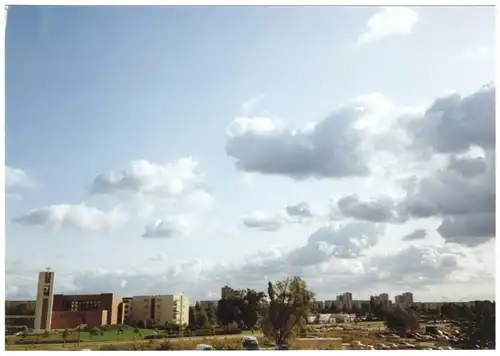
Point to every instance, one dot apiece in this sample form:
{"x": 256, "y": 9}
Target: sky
{"x": 160, "y": 150}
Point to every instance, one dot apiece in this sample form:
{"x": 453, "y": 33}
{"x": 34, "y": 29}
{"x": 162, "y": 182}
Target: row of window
{"x": 81, "y": 305}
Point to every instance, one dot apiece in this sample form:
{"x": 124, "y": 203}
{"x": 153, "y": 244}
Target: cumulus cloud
{"x": 67, "y": 216}
{"x": 302, "y": 210}
{"x": 416, "y": 264}
{"x": 330, "y": 148}
{"x": 176, "y": 225}
{"x": 389, "y": 21}
{"x": 381, "y": 209}
{"x": 17, "y": 178}
{"x": 264, "y": 222}
{"x": 417, "y": 234}
{"x": 455, "y": 124}
{"x": 414, "y": 268}
{"x": 142, "y": 178}
{"x": 336, "y": 240}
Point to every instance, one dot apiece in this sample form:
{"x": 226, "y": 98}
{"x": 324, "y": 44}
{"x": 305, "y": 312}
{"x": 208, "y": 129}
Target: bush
{"x": 169, "y": 346}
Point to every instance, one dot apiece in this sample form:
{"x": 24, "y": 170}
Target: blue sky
{"x": 91, "y": 89}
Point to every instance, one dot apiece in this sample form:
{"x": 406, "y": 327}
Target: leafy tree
{"x": 290, "y": 303}
{"x": 478, "y": 329}
{"x": 365, "y": 308}
{"x": 344, "y": 309}
{"x": 65, "y": 335}
{"x": 21, "y": 309}
{"x": 251, "y": 308}
{"x": 333, "y": 309}
{"x": 200, "y": 316}
{"x": 137, "y": 332}
{"x": 211, "y": 316}
{"x": 401, "y": 321}
{"x": 192, "y": 318}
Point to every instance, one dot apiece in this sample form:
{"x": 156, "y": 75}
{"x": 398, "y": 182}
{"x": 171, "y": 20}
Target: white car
{"x": 204, "y": 347}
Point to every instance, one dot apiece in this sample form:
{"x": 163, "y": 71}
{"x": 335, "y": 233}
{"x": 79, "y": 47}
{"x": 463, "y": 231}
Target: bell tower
{"x": 44, "y": 300}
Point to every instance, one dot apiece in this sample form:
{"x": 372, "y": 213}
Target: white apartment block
{"x": 159, "y": 309}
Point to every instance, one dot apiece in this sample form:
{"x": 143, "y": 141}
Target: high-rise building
{"x": 404, "y": 300}
{"x": 347, "y": 300}
{"x": 44, "y": 300}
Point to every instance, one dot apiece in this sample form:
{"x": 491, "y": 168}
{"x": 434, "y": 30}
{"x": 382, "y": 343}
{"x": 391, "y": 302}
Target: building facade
{"x": 93, "y": 310}
{"x": 158, "y": 310}
{"x": 404, "y": 300}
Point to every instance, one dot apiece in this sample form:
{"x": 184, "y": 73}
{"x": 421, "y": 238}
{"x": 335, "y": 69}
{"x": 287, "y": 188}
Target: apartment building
{"x": 404, "y": 300}
{"x": 159, "y": 309}
{"x": 329, "y": 303}
{"x": 344, "y": 300}
{"x": 319, "y": 305}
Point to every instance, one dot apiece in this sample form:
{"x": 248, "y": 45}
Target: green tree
{"x": 478, "y": 329}
{"x": 290, "y": 303}
{"x": 333, "y": 309}
{"x": 65, "y": 335}
{"x": 192, "y": 318}
{"x": 200, "y": 316}
{"x": 211, "y": 318}
{"x": 365, "y": 308}
{"x": 137, "y": 332}
{"x": 251, "y": 308}
{"x": 401, "y": 321}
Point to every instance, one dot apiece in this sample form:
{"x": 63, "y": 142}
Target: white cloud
{"x": 389, "y": 21}
{"x": 145, "y": 179}
{"x": 17, "y": 178}
{"x": 66, "y": 216}
{"x": 249, "y": 105}
{"x": 331, "y": 148}
{"x": 478, "y": 53}
{"x": 264, "y": 222}
{"x": 172, "y": 226}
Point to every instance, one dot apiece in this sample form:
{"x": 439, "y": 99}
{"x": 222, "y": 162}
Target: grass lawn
{"x": 371, "y": 323}
{"x": 110, "y": 335}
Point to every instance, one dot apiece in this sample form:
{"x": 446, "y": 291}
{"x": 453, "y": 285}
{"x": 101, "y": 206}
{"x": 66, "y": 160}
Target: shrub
{"x": 168, "y": 346}
{"x": 108, "y": 348}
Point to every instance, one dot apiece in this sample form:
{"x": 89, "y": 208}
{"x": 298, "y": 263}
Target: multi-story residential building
{"x": 404, "y": 300}
{"x": 384, "y": 300}
{"x": 319, "y": 305}
{"x": 159, "y": 309}
{"x": 344, "y": 300}
{"x": 329, "y": 303}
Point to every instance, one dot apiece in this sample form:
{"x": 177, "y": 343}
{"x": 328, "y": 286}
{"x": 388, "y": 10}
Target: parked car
{"x": 204, "y": 347}
{"x": 250, "y": 342}
{"x": 283, "y": 347}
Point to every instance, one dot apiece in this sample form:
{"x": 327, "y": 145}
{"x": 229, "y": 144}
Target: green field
{"x": 109, "y": 335}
